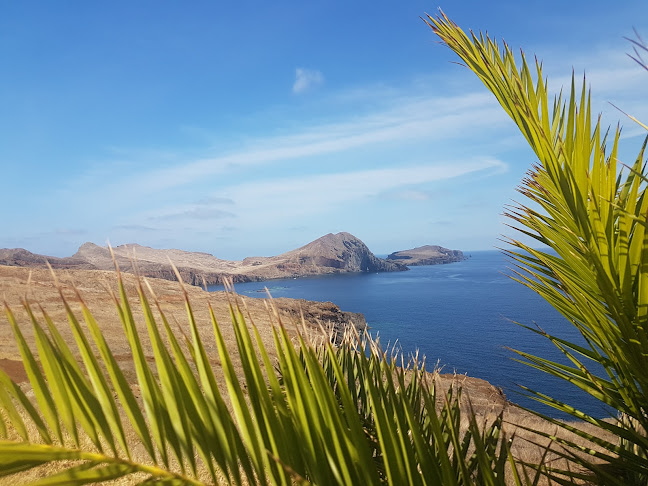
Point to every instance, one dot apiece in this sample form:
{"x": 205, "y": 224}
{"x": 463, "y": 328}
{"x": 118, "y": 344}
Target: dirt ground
{"x": 38, "y": 288}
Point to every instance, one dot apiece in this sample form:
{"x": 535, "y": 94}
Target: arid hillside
{"x": 332, "y": 253}
{"x": 38, "y": 287}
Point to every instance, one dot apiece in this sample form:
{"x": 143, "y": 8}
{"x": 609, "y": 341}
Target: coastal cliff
{"x": 16, "y": 282}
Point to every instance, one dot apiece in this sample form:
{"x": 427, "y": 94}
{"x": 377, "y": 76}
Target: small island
{"x": 426, "y": 255}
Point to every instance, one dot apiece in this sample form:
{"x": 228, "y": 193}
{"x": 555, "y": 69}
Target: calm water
{"x": 460, "y": 314}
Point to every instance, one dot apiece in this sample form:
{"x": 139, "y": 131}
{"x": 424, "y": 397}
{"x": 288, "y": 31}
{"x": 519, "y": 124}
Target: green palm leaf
{"x": 593, "y": 217}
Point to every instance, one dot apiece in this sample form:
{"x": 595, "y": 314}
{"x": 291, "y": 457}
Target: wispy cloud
{"x": 136, "y": 227}
{"x": 406, "y": 120}
{"x": 215, "y": 200}
{"x": 197, "y": 213}
{"x": 407, "y": 194}
{"x": 268, "y": 202}
{"x": 207, "y": 208}
{"x": 306, "y": 79}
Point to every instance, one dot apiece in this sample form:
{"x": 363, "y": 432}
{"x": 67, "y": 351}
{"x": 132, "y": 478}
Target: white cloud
{"x": 198, "y": 213}
{"x": 441, "y": 119}
{"x": 407, "y": 194}
{"x": 306, "y": 79}
{"x": 270, "y": 202}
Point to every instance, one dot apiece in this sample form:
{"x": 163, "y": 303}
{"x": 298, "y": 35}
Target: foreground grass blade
{"x": 36, "y": 379}
{"x": 314, "y": 414}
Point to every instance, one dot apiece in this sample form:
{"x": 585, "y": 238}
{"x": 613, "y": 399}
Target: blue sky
{"x": 252, "y": 129}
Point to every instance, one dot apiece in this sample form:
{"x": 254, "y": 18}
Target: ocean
{"x": 460, "y": 314}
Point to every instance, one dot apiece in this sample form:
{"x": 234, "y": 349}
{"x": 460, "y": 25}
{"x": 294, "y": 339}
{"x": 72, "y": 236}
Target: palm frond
{"x": 591, "y": 213}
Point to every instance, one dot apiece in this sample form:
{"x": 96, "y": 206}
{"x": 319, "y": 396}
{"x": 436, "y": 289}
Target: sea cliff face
{"x": 329, "y": 315}
{"x": 426, "y": 255}
{"x": 332, "y": 253}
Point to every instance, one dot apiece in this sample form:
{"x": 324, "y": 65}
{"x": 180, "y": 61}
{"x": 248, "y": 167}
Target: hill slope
{"x": 332, "y": 253}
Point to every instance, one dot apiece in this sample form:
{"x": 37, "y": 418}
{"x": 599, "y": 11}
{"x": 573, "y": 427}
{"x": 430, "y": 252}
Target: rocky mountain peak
{"x": 89, "y": 248}
{"x": 331, "y": 244}
{"x": 340, "y": 252}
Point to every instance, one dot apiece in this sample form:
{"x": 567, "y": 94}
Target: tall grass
{"x": 320, "y": 414}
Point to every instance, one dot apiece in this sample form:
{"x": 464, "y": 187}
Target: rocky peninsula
{"x": 332, "y": 253}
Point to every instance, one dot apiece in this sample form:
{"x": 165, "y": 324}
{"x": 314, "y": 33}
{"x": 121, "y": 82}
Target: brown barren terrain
{"x": 38, "y": 287}
{"x": 332, "y": 253}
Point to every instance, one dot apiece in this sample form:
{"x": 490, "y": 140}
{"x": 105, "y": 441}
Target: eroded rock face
{"x": 426, "y": 255}
{"x": 326, "y": 314}
{"x": 339, "y": 253}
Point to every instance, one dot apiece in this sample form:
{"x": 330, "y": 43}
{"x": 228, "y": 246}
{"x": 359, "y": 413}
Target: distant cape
{"x": 332, "y": 253}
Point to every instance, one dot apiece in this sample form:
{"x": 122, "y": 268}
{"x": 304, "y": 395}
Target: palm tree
{"x": 591, "y": 213}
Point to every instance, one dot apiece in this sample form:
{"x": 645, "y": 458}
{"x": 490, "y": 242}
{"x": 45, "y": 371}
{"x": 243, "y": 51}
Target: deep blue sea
{"x": 461, "y": 314}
